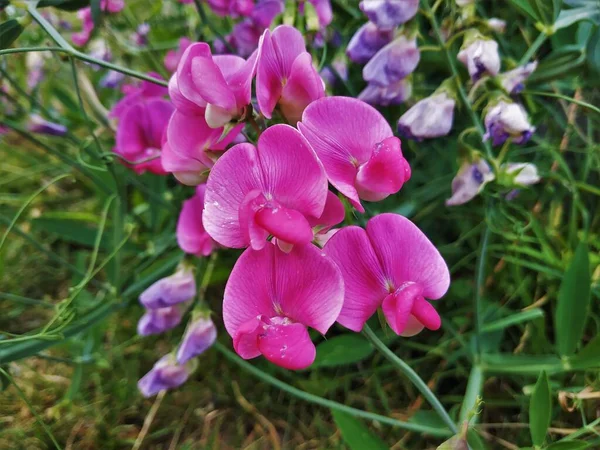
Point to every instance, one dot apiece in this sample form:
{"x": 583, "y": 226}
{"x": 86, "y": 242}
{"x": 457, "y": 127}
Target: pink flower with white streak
{"x": 285, "y": 74}
{"x": 221, "y": 84}
{"x": 191, "y": 236}
{"x": 273, "y": 190}
{"x": 273, "y": 297}
{"x": 391, "y": 264}
{"x": 357, "y": 147}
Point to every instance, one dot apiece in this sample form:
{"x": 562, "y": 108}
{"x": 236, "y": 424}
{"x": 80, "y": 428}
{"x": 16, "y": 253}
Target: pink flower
{"x": 392, "y": 264}
{"x": 87, "y": 26}
{"x": 191, "y": 236}
{"x": 134, "y": 94}
{"x": 271, "y": 299}
{"x": 220, "y": 83}
{"x": 140, "y": 132}
{"x": 271, "y": 190}
{"x": 285, "y": 74}
{"x": 232, "y": 8}
{"x": 355, "y": 143}
{"x": 323, "y": 10}
{"x": 173, "y": 57}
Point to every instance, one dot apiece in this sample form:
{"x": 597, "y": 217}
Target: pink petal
{"x": 406, "y": 255}
{"x": 188, "y": 171}
{"x": 288, "y": 346}
{"x": 343, "y": 132}
{"x": 397, "y": 307}
{"x": 190, "y": 136}
{"x": 364, "y": 283}
{"x": 289, "y": 43}
{"x": 425, "y": 313}
{"x": 268, "y": 76}
{"x": 210, "y": 82}
{"x": 303, "y": 87}
{"x": 384, "y": 173}
{"x": 185, "y": 80}
{"x": 180, "y": 102}
{"x": 285, "y": 224}
{"x": 253, "y": 232}
{"x": 333, "y": 213}
{"x": 233, "y": 176}
{"x": 241, "y": 81}
{"x": 413, "y": 327}
{"x": 292, "y": 173}
{"x": 245, "y": 341}
{"x": 191, "y": 236}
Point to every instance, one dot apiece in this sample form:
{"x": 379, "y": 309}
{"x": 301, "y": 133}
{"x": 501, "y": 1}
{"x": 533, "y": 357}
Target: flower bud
{"x": 507, "y": 120}
{"x": 524, "y": 174}
{"x": 498, "y": 25}
{"x": 157, "y": 321}
{"x": 469, "y": 181}
{"x": 367, "y": 40}
{"x": 171, "y": 290}
{"x": 513, "y": 81}
{"x": 393, "y": 62}
{"x": 199, "y": 337}
{"x": 165, "y": 374}
{"x": 388, "y": 14}
{"x": 481, "y": 57}
{"x": 429, "y": 118}
{"x": 394, "y": 94}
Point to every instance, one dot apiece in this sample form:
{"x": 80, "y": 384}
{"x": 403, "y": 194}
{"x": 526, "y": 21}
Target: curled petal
{"x": 287, "y": 345}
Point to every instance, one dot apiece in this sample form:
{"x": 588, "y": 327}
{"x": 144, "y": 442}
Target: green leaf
{"x": 524, "y": 6}
{"x": 568, "y": 445}
{"x": 342, "y": 350}
{"x": 540, "y": 409}
{"x": 573, "y": 302}
{"x": 355, "y": 434}
{"x": 514, "y": 319}
{"x": 560, "y": 62}
{"x": 9, "y": 32}
{"x": 589, "y": 356}
{"x": 593, "y": 51}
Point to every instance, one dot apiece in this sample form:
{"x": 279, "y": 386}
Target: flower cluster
{"x": 87, "y": 22}
{"x": 280, "y": 199}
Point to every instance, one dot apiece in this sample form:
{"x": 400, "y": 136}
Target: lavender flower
{"x": 140, "y": 37}
{"x": 429, "y": 118}
{"x": 394, "y": 94}
{"x": 157, "y": 321}
{"x": 524, "y": 174}
{"x": 469, "y": 181}
{"x": 513, "y": 81}
{"x": 507, "y": 120}
{"x": 199, "y": 337}
{"x": 169, "y": 291}
{"x": 393, "y": 62}
{"x": 112, "y": 80}
{"x": 341, "y": 68}
{"x": 388, "y": 14}
{"x": 37, "y": 124}
{"x": 481, "y": 57}
{"x": 367, "y": 40}
{"x": 166, "y": 374}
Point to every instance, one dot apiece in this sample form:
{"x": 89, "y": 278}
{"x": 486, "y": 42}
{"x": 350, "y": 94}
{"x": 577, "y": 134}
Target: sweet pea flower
{"x": 87, "y": 26}
{"x": 273, "y": 297}
{"x": 333, "y": 213}
{"x": 340, "y": 66}
{"x": 393, "y": 62}
{"x": 231, "y": 8}
{"x": 37, "y": 124}
{"x": 361, "y": 156}
{"x": 285, "y": 74}
{"x": 274, "y": 189}
{"x": 169, "y": 291}
{"x": 394, "y": 94}
{"x": 524, "y": 174}
{"x": 323, "y": 10}
{"x": 140, "y": 132}
{"x": 166, "y": 374}
{"x": 146, "y": 90}
{"x": 265, "y": 12}
{"x": 513, "y": 81}
{"x": 191, "y": 236}
{"x": 173, "y": 57}
{"x": 388, "y": 14}
{"x": 220, "y": 83}
{"x": 199, "y": 336}
{"x": 507, "y": 120}
{"x": 367, "y": 41}
{"x": 157, "y": 321}
{"x": 429, "y": 118}
{"x": 391, "y": 264}
{"x": 481, "y": 57}
{"x": 112, "y": 79}
{"x": 469, "y": 181}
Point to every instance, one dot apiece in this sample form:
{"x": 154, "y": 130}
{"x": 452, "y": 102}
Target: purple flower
{"x": 172, "y": 290}
{"x": 340, "y": 66}
{"x": 165, "y": 374}
{"x": 513, "y": 81}
{"x": 469, "y": 181}
{"x": 524, "y": 174}
{"x": 393, "y": 62}
{"x": 388, "y": 14}
{"x": 37, "y": 124}
{"x": 140, "y": 37}
{"x": 156, "y": 321}
{"x": 394, "y": 94}
{"x": 265, "y": 11}
{"x": 112, "y": 80}
{"x": 429, "y": 118}
{"x": 199, "y": 337}
{"x": 367, "y": 40}
{"x": 481, "y": 57}
{"x": 507, "y": 120}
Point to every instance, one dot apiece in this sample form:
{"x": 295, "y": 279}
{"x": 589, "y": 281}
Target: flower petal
{"x": 288, "y": 346}
{"x": 190, "y": 136}
{"x": 286, "y": 224}
{"x": 185, "y": 81}
{"x": 303, "y": 87}
{"x": 210, "y": 81}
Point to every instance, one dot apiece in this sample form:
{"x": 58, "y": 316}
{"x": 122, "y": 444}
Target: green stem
{"x": 479, "y": 281}
{"x": 65, "y": 47}
{"x": 412, "y": 376}
{"x": 433, "y": 431}
{"x": 534, "y": 48}
{"x": 474, "y": 386}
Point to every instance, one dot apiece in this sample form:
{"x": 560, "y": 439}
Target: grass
{"x": 89, "y": 236}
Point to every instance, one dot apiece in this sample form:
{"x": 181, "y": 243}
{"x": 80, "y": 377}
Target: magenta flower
{"x": 367, "y": 41}
{"x": 173, "y": 57}
{"x": 285, "y": 74}
{"x": 199, "y": 336}
{"x": 393, "y": 62}
{"x": 323, "y": 10}
{"x": 271, "y": 299}
{"x": 388, "y": 14}
{"x": 222, "y": 83}
{"x": 271, "y": 190}
{"x": 392, "y": 264}
{"x": 135, "y": 93}
{"x": 265, "y": 12}
{"x": 393, "y": 94}
{"x": 157, "y": 321}
{"x": 87, "y": 26}
{"x": 333, "y": 213}
{"x": 355, "y": 143}
{"x": 140, "y": 132}
{"x": 231, "y": 8}
{"x": 166, "y": 374}
{"x": 172, "y": 290}
{"x": 191, "y": 236}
